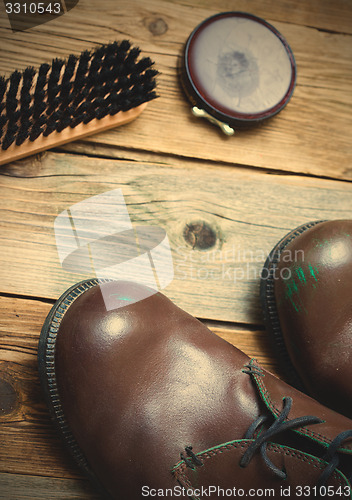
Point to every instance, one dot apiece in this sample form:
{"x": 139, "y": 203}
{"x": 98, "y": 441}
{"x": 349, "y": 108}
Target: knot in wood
{"x": 199, "y": 235}
{"x": 158, "y": 26}
{"x": 8, "y": 398}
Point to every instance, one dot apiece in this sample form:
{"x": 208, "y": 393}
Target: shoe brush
{"x": 74, "y": 98}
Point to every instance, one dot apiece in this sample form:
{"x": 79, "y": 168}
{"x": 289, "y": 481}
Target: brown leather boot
{"x": 151, "y": 403}
{"x": 306, "y": 292}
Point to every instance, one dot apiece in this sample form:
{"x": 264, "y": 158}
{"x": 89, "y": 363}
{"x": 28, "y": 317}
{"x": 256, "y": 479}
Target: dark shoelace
{"x": 278, "y": 426}
{"x": 333, "y": 458}
{"x": 281, "y": 425}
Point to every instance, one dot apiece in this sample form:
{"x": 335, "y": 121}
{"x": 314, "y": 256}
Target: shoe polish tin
{"x": 237, "y": 70}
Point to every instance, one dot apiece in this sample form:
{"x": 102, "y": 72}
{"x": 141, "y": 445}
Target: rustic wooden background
{"x": 174, "y": 171}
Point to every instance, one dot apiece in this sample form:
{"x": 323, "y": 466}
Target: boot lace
{"x": 280, "y": 425}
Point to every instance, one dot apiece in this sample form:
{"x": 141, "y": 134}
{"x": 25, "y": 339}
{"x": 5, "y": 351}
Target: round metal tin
{"x": 238, "y": 68}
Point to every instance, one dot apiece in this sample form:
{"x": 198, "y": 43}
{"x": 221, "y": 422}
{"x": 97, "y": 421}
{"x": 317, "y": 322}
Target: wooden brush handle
{"x": 68, "y": 135}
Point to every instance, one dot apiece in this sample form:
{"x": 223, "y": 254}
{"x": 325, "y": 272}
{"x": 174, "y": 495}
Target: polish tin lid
{"x": 237, "y": 69}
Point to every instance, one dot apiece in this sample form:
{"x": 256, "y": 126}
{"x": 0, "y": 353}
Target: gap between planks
{"x": 110, "y": 152}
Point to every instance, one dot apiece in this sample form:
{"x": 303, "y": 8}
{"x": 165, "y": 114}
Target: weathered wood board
{"x": 246, "y": 211}
{"x": 223, "y": 202}
{"x": 311, "y": 135}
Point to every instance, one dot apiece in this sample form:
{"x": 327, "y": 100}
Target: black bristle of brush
{"x": 25, "y": 111}
{"x": 12, "y": 109}
{"x": 3, "y": 85}
{"x": 67, "y": 93}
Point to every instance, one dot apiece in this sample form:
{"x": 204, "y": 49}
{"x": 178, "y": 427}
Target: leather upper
{"x": 313, "y": 295}
{"x": 140, "y": 383}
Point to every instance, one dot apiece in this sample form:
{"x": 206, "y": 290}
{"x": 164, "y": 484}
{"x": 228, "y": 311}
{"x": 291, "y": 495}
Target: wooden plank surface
{"x": 311, "y": 135}
{"x": 24, "y": 487}
{"x": 247, "y": 211}
{"x": 320, "y": 14}
{"x": 183, "y": 175}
